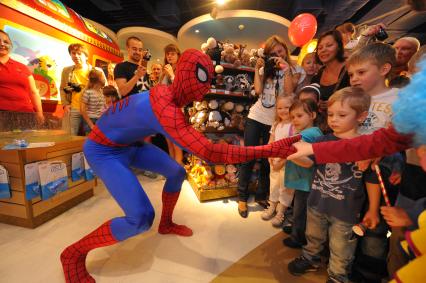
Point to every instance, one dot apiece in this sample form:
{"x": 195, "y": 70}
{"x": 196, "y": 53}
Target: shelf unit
{"x": 204, "y": 193}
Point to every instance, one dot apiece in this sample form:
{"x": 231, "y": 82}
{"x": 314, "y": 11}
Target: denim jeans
{"x": 255, "y": 133}
{"x": 342, "y": 243}
{"x": 299, "y": 216}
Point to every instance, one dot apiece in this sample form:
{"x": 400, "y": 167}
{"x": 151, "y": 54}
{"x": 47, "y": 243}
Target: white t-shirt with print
{"x": 380, "y": 112}
{"x": 263, "y": 111}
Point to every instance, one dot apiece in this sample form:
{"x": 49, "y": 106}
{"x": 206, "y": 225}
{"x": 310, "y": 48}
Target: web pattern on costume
{"x": 187, "y": 87}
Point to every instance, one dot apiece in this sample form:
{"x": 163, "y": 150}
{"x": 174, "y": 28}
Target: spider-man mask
{"x": 194, "y": 72}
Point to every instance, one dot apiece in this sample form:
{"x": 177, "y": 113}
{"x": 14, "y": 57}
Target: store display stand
{"x": 205, "y": 193}
{"x": 31, "y": 213}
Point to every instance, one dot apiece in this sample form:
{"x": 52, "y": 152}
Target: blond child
{"x": 337, "y": 194}
{"x": 92, "y": 102}
{"x": 280, "y": 198}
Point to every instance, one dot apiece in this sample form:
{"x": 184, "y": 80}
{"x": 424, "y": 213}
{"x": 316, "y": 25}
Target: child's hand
{"x": 396, "y": 216}
{"x": 303, "y": 149}
{"x": 363, "y": 164}
{"x": 371, "y": 219}
{"x": 395, "y": 178}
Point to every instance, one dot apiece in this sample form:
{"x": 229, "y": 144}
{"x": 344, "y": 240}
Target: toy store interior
{"x": 212, "y": 141}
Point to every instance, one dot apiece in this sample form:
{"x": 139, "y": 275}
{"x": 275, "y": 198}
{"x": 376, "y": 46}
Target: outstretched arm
{"x": 380, "y": 143}
{"x": 173, "y": 122}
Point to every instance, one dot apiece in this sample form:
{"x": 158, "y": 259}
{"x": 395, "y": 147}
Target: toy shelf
{"x": 240, "y": 68}
{"x": 211, "y": 194}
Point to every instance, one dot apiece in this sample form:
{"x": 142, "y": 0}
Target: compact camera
{"x": 271, "y": 68}
{"x": 147, "y": 56}
{"x": 381, "y": 34}
{"x": 72, "y": 87}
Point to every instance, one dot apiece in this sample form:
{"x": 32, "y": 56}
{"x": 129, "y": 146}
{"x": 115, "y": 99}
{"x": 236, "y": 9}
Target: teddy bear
{"x": 228, "y": 55}
{"x": 219, "y": 174}
{"x": 231, "y": 175}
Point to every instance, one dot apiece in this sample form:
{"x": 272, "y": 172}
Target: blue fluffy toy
{"x": 410, "y": 108}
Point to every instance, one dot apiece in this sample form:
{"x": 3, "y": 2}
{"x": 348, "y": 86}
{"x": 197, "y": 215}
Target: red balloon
{"x": 302, "y": 29}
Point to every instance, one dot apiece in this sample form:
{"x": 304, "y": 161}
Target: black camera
{"x": 72, "y": 87}
{"x": 147, "y": 55}
{"x": 381, "y": 34}
{"x": 271, "y": 67}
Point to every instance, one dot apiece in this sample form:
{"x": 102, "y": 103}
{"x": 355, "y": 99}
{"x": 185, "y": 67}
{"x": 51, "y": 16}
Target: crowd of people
{"x": 345, "y": 95}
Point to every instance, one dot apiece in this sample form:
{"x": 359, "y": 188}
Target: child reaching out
{"x": 280, "y": 198}
{"x": 303, "y": 115}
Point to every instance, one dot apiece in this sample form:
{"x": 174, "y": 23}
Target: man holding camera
{"x": 73, "y": 80}
{"x": 130, "y": 75}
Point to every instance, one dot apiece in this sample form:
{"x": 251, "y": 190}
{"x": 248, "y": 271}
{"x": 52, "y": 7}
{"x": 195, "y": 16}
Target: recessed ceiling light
{"x": 220, "y": 2}
{"x": 197, "y": 31}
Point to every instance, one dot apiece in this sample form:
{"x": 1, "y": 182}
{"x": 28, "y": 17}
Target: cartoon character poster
{"x": 44, "y": 55}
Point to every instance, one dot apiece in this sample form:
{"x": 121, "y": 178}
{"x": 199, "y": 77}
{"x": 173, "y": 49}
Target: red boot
{"x": 73, "y": 258}
{"x": 166, "y": 224}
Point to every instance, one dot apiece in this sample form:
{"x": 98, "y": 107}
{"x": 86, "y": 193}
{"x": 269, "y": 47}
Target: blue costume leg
{"x": 151, "y": 158}
{"x": 112, "y": 166}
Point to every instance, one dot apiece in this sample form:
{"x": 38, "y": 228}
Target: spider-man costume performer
{"x": 114, "y": 145}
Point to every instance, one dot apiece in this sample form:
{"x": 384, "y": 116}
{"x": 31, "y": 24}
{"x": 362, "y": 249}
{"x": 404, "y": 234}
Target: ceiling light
{"x": 220, "y": 2}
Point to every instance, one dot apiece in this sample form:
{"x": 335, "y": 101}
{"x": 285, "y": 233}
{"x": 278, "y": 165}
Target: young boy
{"x": 338, "y": 194}
{"x": 368, "y": 68}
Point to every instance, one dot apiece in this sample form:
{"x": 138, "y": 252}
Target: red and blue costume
{"x": 114, "y": 146}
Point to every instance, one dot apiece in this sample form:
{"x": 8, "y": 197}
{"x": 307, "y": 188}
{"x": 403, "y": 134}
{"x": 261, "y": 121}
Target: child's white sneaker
{"x": 270, "y": 211}
{"x": 278, "y": 219}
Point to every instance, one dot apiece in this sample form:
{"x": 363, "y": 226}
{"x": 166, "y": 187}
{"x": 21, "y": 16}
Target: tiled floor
{"x": 221, "y": 237}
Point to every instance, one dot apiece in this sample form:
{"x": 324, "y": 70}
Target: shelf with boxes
{"x": 221, "y": 118}
{"x": 21, "y": 210}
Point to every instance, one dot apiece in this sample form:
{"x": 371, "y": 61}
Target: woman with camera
{"x": 273, "y": 76}
{"x": 73, "y": 80}
{"x": 333, "y": 75}
{"x": 18, "y": 90}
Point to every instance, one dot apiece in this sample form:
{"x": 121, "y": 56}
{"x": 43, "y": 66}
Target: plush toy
{"x": 242, "y": 83}
{"x": 227, "y": 106}
{"x": 219, "y": 173}
{"x": 246, "y": 58}
{"x": 199, "y": 120}
{"x": 220, "y": 82}
{"x": 228, "y": 55}
{"x": 239, "y": 108}
{"x": 213, "y": 104}
{"x": 231, "y": 175}
{"x": 200, "y": 105}
{"x": 229, "y": 82}
{"x": 215, "y": 119}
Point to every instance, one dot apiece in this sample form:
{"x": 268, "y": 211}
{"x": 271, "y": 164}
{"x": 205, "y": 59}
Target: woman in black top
{"x": 333, "y": 75}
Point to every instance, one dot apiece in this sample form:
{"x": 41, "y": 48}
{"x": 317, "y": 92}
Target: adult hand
{"x": 140, "y": 71}
{"x": 169, "y": 70}
{"x": 372, "y": 30}
{"x": 396, "y": 216}
{"x": 259, "y": 63}
{"x": 303, "y": 149}
{"x": 40, "y": 118}
{"x": 283, "y": 65}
